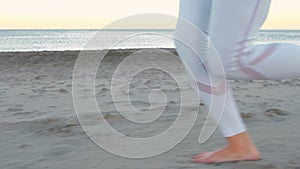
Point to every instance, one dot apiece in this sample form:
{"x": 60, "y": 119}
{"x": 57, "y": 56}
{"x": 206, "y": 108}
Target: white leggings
{"x": 232, "y": 26}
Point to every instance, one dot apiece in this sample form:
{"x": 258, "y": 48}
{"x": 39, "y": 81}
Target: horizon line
{"x": 116, "y": 29}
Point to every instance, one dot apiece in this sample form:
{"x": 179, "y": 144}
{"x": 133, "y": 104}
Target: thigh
{"x": 196, "y": 12}
{"x": 194, "y": 16}
{"x": 234, "y": 26}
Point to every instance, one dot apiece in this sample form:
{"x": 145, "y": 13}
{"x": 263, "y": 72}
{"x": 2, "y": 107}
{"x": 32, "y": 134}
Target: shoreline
{"x": 113, "y": 50}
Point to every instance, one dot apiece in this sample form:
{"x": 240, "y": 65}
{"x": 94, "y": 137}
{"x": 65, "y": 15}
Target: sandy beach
{"x": 40, "y": 129}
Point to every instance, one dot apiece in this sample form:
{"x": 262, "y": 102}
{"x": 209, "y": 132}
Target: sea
{"x": 61, "y": 40}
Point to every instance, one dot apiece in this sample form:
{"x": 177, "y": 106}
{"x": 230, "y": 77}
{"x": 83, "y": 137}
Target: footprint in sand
{"x": 172, "y": 102}
{"x": 249, "y": 117}
{"x": 60, "y": 150}
{"x": 14, "y": 109}
{"x": 276, "y": 114}
{"x": 103, "y": 91}
{"x": 63, "y": 91}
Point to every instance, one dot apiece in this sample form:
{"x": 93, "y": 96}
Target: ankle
{"x": 240, "y": 142}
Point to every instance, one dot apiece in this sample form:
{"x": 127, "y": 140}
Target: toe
{"x": 204, "y": 160}
{"x": 199, "y": 155}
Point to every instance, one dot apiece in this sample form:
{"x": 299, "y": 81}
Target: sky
{"x": 96, "y": 14}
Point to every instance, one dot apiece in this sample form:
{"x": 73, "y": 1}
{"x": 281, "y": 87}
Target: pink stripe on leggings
{"x": 247, "y": 70}
{"x": 219, "y": 90}
{"x": 263, "y": 56}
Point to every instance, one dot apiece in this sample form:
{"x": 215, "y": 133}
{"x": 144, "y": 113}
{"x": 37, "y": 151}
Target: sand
{"x": 39, "y": 127}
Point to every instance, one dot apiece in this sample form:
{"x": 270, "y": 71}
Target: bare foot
{"x": 227, "y": 154}
{"x": 240, "y": 148}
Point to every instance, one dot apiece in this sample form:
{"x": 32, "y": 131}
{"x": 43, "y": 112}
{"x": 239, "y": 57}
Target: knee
{"x": 216, "y": 66}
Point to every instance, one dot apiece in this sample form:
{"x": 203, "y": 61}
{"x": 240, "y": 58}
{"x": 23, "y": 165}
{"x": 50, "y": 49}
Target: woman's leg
{"x": 234, "y": 26}
{"x": 197, "y": 13}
